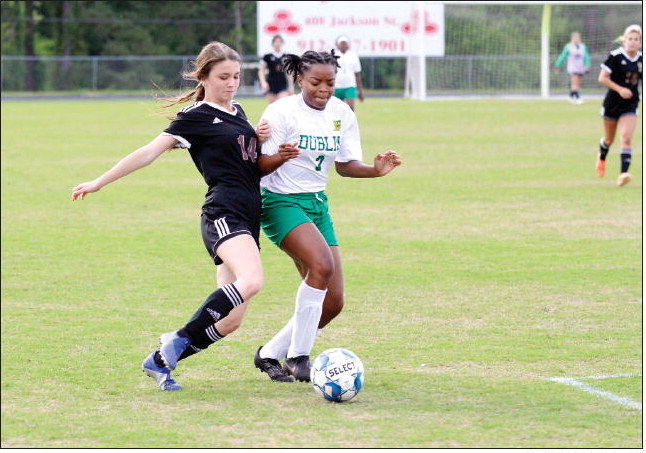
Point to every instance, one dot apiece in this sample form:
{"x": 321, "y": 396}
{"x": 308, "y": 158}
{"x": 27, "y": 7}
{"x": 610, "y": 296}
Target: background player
{"x": 348, "y": 84}
{"x": 621, "y": 73}
{"x": 578, "y": 63}
{"x": 275, "y": 83}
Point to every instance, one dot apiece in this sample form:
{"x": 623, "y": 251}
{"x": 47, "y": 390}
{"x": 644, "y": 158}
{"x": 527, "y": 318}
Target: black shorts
{"x": 613, "y": 111}
{"x": 277, "y": 84}
{"x": 217, "y": 230}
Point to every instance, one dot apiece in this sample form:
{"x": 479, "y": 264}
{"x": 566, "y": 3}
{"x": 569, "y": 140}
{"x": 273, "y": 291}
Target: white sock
{"x": 309, "y": 305}
{"x": 277, "y": 347}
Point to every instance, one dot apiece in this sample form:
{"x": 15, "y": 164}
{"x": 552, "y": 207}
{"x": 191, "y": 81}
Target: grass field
{"x": 491, "y": 262}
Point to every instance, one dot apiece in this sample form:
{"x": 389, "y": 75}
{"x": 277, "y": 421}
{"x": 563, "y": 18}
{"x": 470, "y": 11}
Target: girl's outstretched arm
{"x": 384, "y": 163}
{"x": 132, "y": 162}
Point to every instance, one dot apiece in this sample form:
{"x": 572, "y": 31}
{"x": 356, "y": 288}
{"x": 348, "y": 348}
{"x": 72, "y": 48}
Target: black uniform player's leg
{"x": 201, "y": 329}
{"x": 200, "y": 332}
{"x": 604, "y": 148}
{"x": 626, "y": 157}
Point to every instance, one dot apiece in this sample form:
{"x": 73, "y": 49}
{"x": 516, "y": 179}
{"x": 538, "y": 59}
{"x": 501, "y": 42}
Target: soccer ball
{"x": 337, "y": 375}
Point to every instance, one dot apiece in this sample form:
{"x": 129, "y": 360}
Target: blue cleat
{"x": 159, "y": 374}
{"x": 172, "y": 346}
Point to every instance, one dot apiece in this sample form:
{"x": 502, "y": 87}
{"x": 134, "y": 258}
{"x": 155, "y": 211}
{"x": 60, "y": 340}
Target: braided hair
{"x": 295, "y": 65}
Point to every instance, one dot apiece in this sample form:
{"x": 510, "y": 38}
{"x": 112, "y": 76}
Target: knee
{"x": 250, "y": 286}
{"x": 322, "y": 270}
{"x": 255, "y": 286}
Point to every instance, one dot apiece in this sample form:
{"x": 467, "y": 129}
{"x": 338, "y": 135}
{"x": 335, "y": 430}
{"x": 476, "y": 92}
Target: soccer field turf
{"x": 493, "y": 287}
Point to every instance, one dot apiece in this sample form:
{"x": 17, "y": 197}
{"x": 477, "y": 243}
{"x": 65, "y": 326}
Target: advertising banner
{"x": 375, "y": 29}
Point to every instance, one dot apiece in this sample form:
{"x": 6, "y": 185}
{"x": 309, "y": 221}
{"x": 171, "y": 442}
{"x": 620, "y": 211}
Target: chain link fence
{"x": 450, "y": 75}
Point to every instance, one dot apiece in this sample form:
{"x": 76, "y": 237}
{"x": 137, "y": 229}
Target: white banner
{"x": 375, "y": 29}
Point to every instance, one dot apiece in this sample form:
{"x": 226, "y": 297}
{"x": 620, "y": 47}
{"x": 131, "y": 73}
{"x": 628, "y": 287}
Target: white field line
{"x": 610, "y": 376}
{"x": 595, "y": 391}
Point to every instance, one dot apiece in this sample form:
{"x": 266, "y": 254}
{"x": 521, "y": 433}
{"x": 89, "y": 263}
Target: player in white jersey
{"x": 323, "y": 136}
{"x": 321, "y": 131}
{"x": 348, "y": 85}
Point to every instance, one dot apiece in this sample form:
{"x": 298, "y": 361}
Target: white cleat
{"x": 623, "y": 179}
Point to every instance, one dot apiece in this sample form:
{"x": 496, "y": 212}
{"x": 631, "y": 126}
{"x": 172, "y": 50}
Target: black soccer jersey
{"x": 276, "y": 78}
{"x": 224, "y": 148}
{"x": 626, "y": 72}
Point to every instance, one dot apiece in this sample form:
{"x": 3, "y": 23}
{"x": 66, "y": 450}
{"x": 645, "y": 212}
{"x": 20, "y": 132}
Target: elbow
{"x": 603, "y": 78}
{"x": 349, "y": 169}
{"x": 341, "y": 171}
{"x": 147, "y": 157}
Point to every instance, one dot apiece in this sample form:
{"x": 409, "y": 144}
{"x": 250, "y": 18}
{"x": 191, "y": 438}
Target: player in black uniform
{"x": 225, "y": 148}
{"x": 621, "y": 73}
{"x": 275, "y": 84}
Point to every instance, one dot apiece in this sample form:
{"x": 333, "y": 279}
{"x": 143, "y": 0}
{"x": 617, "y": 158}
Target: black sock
{"x": 188, "y": 352}
{"x": 201, "y": 342}
{"x": 215, "y": 307}
{"x": 603, "y": 150}
{"x": 626, "y": 155}
{"x": 575, "y": 94}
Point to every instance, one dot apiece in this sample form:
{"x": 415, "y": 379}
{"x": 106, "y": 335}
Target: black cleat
{"x": 299, "y": 367}
{"x": 271, "y": 367}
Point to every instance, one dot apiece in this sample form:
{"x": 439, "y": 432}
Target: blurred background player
{"x": 621, "y": 74}
{"x": 295, "y": 215}
{"x": 273, "y": 81}
{"x": 578, "y": 63}
{"x": 348, "y": 84}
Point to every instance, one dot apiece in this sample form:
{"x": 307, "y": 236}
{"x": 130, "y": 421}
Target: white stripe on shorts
{"x": 221, "y": 226}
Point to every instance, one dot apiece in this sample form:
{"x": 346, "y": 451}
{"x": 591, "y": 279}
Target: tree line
{"x": 66, "y": 28}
